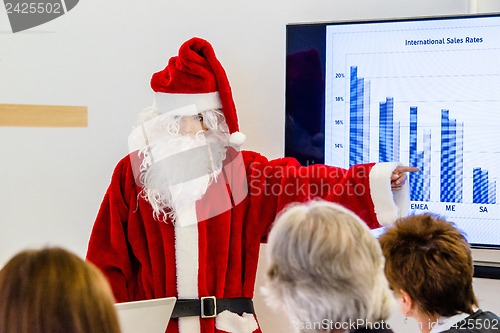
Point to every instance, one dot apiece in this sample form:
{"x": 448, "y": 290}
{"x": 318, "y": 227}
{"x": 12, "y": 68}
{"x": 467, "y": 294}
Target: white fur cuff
{"x": 232, "y": 322}
{"x": 389, "y": 205}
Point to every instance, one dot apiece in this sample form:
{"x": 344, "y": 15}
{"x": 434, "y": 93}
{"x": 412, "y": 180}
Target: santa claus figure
{"x": 187, "y": 210}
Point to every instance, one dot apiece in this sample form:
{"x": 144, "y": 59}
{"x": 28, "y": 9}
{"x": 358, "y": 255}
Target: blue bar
{"x": 482, "y": 192}
{"x": 484, "y": 187}
{"x": 480, "y": 186}
{"x": 366, "y": 123}
{"x": 420, "y": 182}
{"x": 359, "y": 119}
{"x": 459, "y": 175}
{"x": 386, "y": 125}
{"x": 492, "y": 192}
{"x": 448, "y": 157}
{"x": 414, "y": 176}
{"x": 476, "y": 185}
{"x": 396, "y": 141}
{"x": 356, "y": 118}
{"x": 419, "y": 188}
{"x": 426, "y": 169}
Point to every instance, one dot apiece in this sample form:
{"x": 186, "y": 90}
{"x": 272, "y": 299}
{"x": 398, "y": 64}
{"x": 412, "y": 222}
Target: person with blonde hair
{"x": 326, "y": 271}
{"x": 430, "y": 268}
{"x": 52, "y": 290}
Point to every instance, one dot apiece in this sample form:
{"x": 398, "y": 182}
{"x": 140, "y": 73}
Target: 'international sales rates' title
{"x": 449, "y": 40}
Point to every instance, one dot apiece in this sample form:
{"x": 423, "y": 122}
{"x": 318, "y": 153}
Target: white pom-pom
{"x": 236, "y": 139}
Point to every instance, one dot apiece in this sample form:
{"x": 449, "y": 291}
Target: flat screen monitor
{"x": 423, "y": 91}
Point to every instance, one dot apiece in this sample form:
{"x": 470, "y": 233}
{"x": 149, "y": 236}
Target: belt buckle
{"x": 214, "y": 300}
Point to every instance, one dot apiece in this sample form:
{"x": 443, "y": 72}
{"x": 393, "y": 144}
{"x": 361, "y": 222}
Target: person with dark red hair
{"x": 187, "y": 210}
{"x": 430, "y": 268}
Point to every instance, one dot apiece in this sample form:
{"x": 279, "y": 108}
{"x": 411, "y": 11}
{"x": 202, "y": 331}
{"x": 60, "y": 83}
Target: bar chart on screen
{"x": 427, "y": 97}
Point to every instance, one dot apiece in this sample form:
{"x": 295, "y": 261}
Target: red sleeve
{"x": 363, "y": 188}
{"x": 108, "y": 247}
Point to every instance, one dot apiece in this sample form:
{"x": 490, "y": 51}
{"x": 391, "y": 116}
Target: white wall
{"x": 101, "y": 55}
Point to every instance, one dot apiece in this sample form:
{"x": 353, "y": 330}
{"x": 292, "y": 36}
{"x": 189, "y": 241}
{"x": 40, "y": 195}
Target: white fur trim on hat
{"x": 164, "y": 102}
{"x": 237, "y": 139}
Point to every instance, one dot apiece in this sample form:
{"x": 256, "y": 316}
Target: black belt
{"x": 209, "y": 307}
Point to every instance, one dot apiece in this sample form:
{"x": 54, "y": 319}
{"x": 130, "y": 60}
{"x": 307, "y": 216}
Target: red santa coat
{"x": 144, "y": 258}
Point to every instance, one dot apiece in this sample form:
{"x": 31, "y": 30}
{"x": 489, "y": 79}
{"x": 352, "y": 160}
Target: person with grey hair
{"x": 326, "y": 271}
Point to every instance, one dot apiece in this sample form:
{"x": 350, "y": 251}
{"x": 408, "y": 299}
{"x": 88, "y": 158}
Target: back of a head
{"x": 53, "y": 290}
{"x": 325, "y": 266}
{"x": 430, "y": 259}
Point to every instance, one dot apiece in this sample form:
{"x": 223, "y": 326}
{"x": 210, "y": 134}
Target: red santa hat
{"x": 195, "y": 81}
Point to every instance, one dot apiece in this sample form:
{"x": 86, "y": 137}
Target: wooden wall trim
{"x": 26, "y": 115}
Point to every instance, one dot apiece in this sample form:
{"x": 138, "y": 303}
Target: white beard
{"x": 177, "y": 172}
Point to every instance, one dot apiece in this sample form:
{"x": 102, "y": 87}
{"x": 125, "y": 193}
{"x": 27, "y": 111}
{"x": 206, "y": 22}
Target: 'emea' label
{"x": 26, "y": 14}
